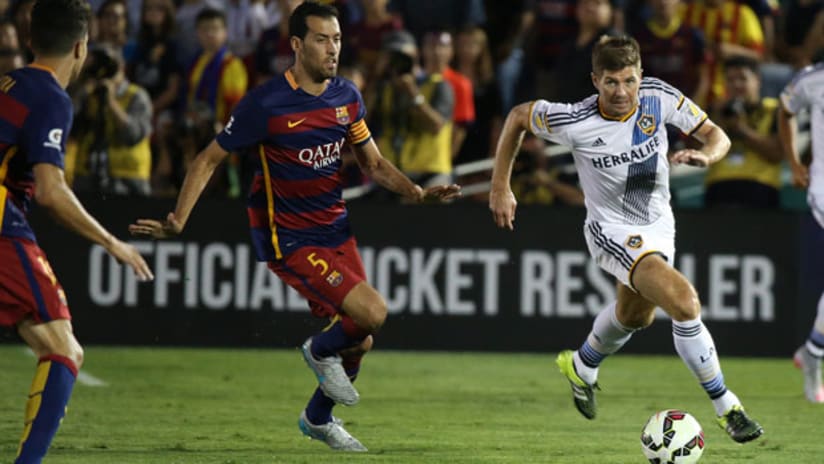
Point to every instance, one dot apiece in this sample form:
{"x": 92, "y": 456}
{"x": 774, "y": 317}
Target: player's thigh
{"x": 55, "y": 337}
{"x": 619, "y": 248}
{"x": 365, "y": 306}
{"x": 28, "y": 287}
{"x": 632, "y": 309}
{"x": 323, "y": 275}
{"x": 664, "y": 286}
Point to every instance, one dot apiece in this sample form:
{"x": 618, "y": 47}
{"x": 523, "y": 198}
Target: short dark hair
{"x": 614, "y": 53}
{"x": 297, "y": 22}
{"x": 57, "y": 24}
{"x": 741, "y": 61}
{"x": 209, "y": 14}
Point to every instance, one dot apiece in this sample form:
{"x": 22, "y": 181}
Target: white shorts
{"x": 617, "y": 248}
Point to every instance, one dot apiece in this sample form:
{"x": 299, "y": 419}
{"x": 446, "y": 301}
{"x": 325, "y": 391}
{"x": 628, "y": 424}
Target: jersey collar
{"x": 616, "y": 118}
{"x": 44, "y": 68}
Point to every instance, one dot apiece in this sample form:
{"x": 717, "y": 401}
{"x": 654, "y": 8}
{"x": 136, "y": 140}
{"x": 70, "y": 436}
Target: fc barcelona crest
{"x": 342, "y": 114}
{"x": 647, "y": 123}
{"x": 334, "y": 278}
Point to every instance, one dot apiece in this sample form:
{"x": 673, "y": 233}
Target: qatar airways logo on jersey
{"x": 322, "y": 155}
{"x": 637, "y": 153}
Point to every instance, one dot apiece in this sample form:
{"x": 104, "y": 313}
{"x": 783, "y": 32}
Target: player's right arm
{"x": 52, "y": 193}
{"x": 502, "y": 201}
{"x": 245, "y": 128}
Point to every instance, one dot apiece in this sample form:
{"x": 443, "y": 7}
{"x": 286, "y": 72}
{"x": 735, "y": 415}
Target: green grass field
{"x": 165, "y": 406}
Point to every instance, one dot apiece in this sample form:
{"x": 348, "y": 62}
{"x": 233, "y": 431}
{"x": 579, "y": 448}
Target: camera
{"x": 399, "y": 63}
{"x": 734, "y": 108}
{"x": 102, "y": 64}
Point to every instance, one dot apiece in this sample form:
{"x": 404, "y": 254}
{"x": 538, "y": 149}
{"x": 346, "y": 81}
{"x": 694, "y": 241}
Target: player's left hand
{"x": 441, "y": 193}
{"x": 171, "y": 227}
{"x": 690, "y": 157}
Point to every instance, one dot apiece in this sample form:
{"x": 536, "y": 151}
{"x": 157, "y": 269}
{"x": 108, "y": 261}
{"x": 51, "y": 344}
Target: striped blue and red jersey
{"x": 297, "y": 139}
{"x": 35, "y": 115}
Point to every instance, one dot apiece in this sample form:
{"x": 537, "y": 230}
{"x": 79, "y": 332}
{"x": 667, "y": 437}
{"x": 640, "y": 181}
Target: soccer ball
{"x": 672, "y": 437}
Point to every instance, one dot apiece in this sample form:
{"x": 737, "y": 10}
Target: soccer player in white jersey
{"x": 806, "y": 90}
{"x": 619, "y": 143}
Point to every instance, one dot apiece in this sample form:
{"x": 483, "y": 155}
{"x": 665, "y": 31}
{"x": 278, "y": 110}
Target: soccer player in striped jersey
{"x": 35, "y": 115}
{"x": 619, "y": 143}
{"x": 297, "y": 124}
{"x": 805, "y": 92}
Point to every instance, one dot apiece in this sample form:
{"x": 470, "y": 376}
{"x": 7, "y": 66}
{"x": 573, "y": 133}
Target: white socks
{"x": 694, "y": 344}
{"x": 607, "y": 336}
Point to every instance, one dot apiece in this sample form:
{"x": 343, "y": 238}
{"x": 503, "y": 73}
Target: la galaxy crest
{"x": 342, "y": 115}
{"x": 635, "y": 241}
{"x": 647, "y": 123}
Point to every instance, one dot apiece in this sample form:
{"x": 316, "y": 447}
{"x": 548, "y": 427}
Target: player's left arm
{"x": 374, "y": 165}
{"x": 715, "y": 146}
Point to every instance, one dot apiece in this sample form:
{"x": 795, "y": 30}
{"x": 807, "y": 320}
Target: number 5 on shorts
{"x": 318, "y": 262}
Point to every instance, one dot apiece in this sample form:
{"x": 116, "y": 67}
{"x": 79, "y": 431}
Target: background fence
{"x": 451, "y": 279}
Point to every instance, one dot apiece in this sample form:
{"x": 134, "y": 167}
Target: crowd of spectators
{"x": 437, "y": 77}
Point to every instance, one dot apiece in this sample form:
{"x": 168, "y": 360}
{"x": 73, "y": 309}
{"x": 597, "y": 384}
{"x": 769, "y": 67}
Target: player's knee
{"x": 374, "y": 315}
{"x": 638, "y": 319}
{"x": 77, "y": 356}
{"x": 686, "y": 308}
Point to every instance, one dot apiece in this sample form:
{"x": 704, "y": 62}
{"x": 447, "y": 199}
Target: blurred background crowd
{"x": 163, "y": 76}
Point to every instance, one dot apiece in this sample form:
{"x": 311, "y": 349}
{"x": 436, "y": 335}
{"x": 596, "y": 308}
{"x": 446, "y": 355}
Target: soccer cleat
{"x": 331, "y": 376}
{"x": 331, "y": 433}
{"x": 583, "y": 394}
{"x": 811, "y": 368}
{"x": 739, "y": 426}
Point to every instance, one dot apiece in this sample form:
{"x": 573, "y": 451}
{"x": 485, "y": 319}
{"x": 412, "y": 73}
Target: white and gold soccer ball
{"x": 672, "y": 437}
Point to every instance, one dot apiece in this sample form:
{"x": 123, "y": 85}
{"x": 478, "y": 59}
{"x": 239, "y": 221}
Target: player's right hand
{"x": 502, "y": 203}
{"x": 171, "y": 227}
{"x": 128, "y": 255}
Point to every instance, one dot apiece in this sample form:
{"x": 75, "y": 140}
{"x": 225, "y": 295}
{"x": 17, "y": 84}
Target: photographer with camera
{"x": 111, "y": 129}
{"x": 411, "y": 111}
{"x": 750, "y": 175}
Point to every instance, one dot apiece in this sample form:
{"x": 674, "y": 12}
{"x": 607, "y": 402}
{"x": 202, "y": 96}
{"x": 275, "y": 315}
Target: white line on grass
{"x": 83, "y": 377}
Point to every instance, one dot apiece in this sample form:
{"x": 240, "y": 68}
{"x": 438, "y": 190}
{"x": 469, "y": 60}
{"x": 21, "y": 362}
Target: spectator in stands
{"x": 363, "y": 38}
{"x": 750, "y": 174}
{"x": 412, "y": 114}
{"x": 474, "y": 60}
{"x": 437, "y": 54}
{"x": 274, "y": 55}
{"x": 112, "y": 27}
{"x": 730, "y": 29}
{"x": 20, "y": 13}
{"x": 186, "y": 18}
{"x": 803, "y": 36}
{"x": 155, "y": 68}
{"x": 673, "y": 51}
{"x": 536, "y": 180}
{"x": 10, "y": 59}
{"x": 112, "y": 128}
{"x": 4, "y": 7}
{"x": 8, "y": 34}
{"x": 246, "y": 21}
{"x": 553, "y": 24}
{"x": 218, "y": 79}
{"x": 421, "y": 16}
{"x": 571, "y": 78}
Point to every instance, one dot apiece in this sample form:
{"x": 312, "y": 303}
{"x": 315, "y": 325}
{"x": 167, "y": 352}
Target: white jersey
{"x": 807, "y": 91}
{"x": 622, "y": 163}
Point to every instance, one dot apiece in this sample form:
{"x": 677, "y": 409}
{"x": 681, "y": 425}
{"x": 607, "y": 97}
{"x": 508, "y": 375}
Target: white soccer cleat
{"x": 811, "y": 368}
{"x": 331, "y": 433}
{"x": 331, "y": 376}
